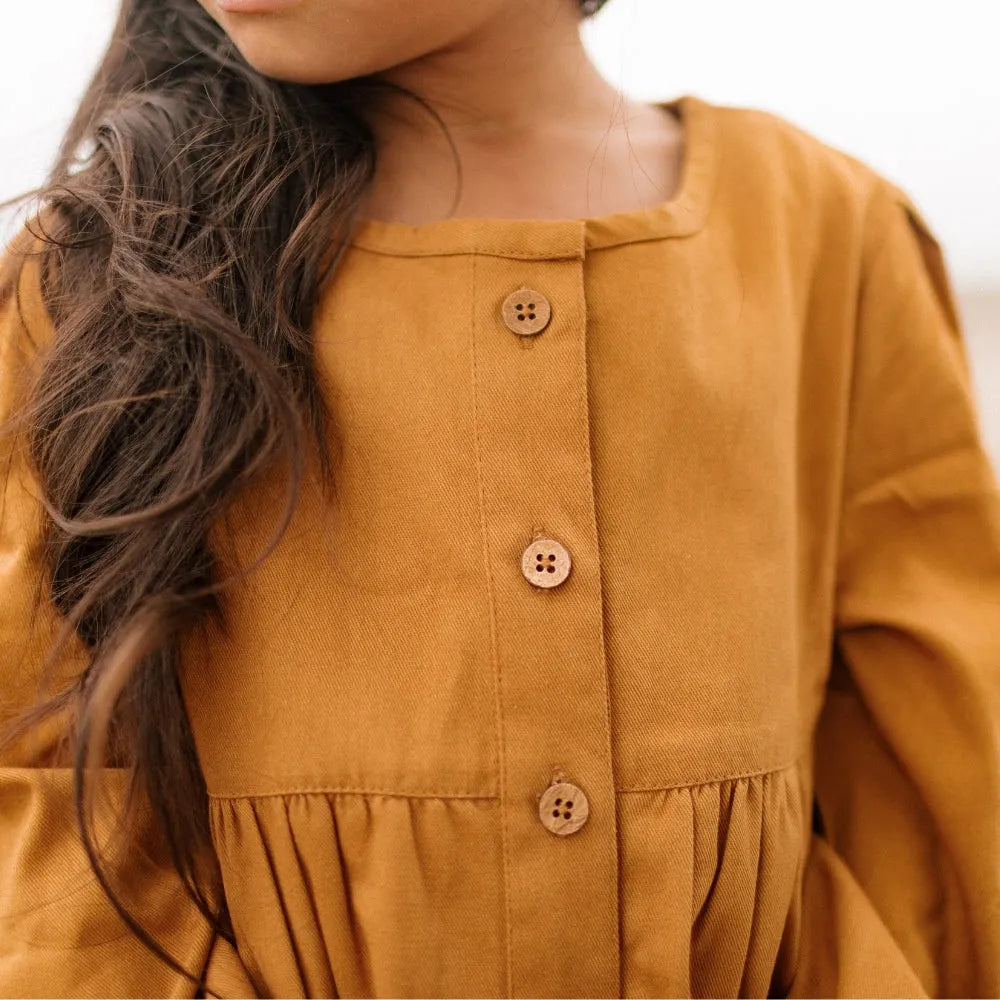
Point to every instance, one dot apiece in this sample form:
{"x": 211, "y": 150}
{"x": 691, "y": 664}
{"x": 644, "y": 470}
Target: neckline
{"x": 532, "y": 239}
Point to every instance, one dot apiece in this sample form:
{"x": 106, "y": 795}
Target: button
{"x": 545, "y": 563}
{"x": 563, "y": 808}
{"x": 526, "y": 311}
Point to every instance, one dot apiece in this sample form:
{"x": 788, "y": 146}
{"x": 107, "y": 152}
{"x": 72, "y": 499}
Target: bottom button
{"x": 563, "y": 808}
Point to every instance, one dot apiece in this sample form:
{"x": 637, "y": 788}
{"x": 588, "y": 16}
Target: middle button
{"x": 545, "y": 563}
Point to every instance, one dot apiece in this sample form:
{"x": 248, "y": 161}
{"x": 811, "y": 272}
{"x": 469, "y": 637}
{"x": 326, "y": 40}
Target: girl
{"x": 468, "y": 533}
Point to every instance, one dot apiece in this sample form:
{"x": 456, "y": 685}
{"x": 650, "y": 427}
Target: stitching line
{"x": 486, "y": 797}
{"x": 497, "y": 668}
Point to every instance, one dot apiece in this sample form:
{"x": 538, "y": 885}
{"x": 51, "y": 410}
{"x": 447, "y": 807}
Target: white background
{"x": 912, "y": 88}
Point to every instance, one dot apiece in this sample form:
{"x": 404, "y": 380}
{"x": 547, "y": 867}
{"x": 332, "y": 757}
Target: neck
{"x": 533, "y": 130}
{"x": 511, "y": 77}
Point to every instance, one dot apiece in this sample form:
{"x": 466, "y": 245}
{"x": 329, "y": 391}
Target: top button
{"x": 526, "y": 311}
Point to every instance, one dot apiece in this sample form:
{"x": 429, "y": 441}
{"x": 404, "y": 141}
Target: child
{"x": 467, "y": 533}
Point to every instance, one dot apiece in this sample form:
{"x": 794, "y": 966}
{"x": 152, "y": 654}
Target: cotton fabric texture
{"x": 774, "y": 668}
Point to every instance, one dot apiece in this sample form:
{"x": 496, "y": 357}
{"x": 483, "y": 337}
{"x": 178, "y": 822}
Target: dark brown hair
{"x": 194, "y": 210}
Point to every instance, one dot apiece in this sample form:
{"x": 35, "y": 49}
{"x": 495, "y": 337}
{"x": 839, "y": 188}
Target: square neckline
{"x": 682, "y": 215}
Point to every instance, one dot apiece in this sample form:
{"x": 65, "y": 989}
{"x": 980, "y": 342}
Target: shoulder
{"x": 783, "y": 179}
{"x": 26, "y": 271}
{"x": 762, "y": 145}
{"x": 26, "y": 327}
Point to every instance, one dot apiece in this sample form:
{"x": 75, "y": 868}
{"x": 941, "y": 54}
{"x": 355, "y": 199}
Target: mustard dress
{"x": 649, "y": 646}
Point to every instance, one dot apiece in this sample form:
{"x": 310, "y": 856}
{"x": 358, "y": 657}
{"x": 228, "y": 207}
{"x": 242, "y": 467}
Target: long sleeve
{"x": 59, "y": 935}
{"x": 907, "y": 777}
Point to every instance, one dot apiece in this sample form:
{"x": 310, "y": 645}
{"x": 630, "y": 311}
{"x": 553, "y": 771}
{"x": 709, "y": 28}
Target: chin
{"x": 298, "y": 70}
{"x": 294, "y": 62}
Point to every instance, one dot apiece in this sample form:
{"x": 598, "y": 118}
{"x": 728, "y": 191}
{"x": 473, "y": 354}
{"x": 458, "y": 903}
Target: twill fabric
{"x": 773, "y": 667}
